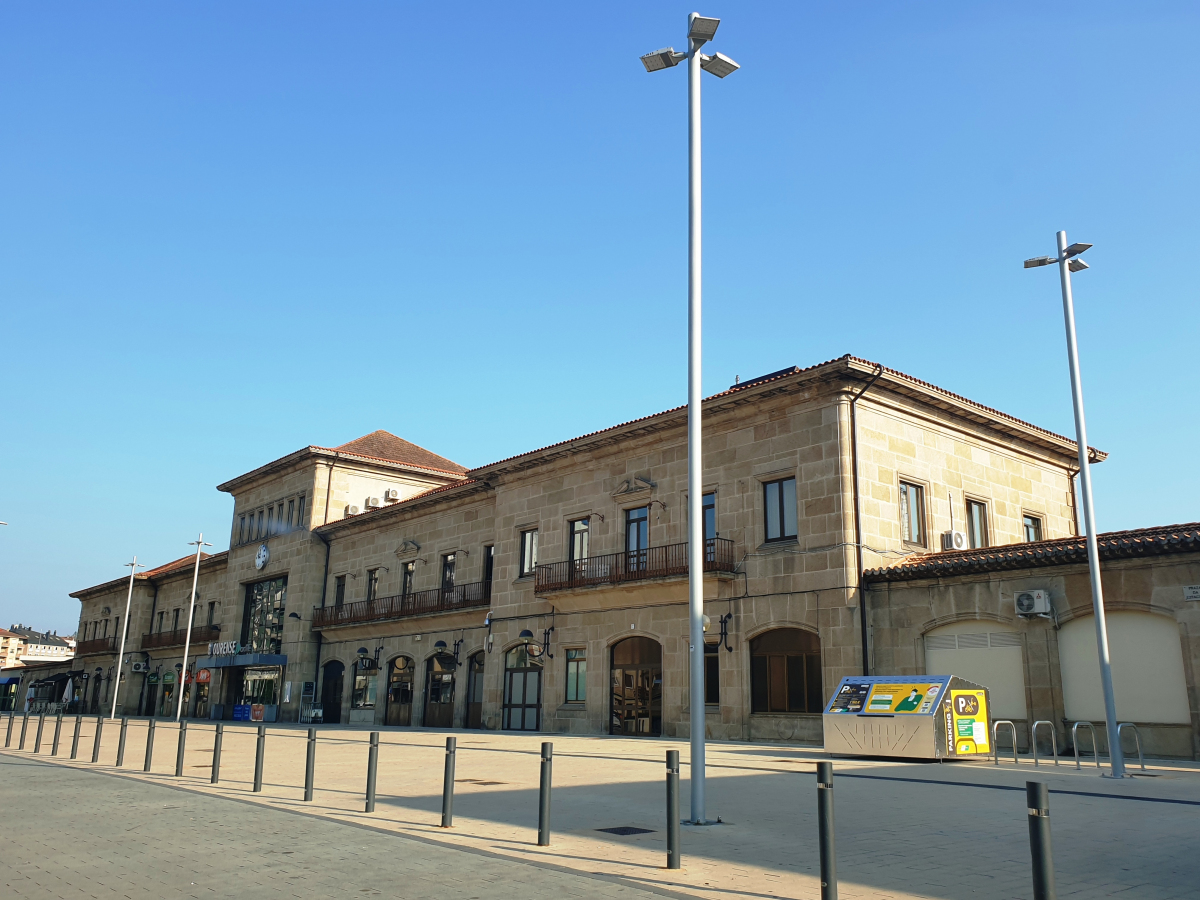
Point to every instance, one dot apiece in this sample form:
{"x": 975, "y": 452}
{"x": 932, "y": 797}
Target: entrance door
{"x": 400, "y": 691}
{"x": 439, "y": 692}
{"x": 151, "y": 699}
{"x": 475, "y": 691}
{"x": 331, "y": 693}
{"x": 522, "y": 691}
{"x": 637, "y": 687}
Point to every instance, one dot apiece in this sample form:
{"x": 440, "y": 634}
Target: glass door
{"x": 522, "y": 692}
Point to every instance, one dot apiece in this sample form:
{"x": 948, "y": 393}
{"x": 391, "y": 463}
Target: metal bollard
{"x": 372, "y": 764}
{"x": 1037, "y": 796}
{"x": 258, "y": 757}
{"x": 24, "y": 728}
{"x": 310, "y": 765}
{"x": 179, "y": 748}
{"x": 216, "y": 764}
{"x": 8, "y": 734}
{"x": 75, "y": 738}
{"x": 121, "y": 742}
{"x": 544, "y": 795}
{"x": 37, "y": 740}
{"x": 825, "y": 831}
{"x": 57, "y": 734}
{"x": 149, "y": 745}
{"x": 448, "y": 785}
{"x": 96, "y": 742}
{"x": 672, "y": 809}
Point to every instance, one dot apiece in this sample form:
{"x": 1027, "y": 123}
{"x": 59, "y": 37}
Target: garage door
{"x": 986, "y": 654}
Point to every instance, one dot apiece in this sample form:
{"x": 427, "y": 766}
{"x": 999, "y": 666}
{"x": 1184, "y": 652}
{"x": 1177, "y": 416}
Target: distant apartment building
{"x": 40, "y": 646}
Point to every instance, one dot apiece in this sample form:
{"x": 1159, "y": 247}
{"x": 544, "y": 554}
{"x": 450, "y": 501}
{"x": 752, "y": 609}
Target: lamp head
{"x": 526, "y": 636}
{"x": 1040, "y": 261}
{"x": 707, "y": 621}
{"x": 362, "y": 651}
{"x": 1076, "y": 249}
{"x": 440, "y": 646}
{"x": 718, "y": 64}
{"x": 1077, "y": 265}
{"x": 702, "y": 28}
{"x": 662, "y": 59}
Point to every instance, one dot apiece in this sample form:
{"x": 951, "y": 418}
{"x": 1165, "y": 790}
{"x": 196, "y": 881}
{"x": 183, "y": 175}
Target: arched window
{"x": 785, "y": 672}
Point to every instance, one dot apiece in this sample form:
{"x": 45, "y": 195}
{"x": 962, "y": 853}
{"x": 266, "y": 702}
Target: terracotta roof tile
{"x": 385, "y": 445}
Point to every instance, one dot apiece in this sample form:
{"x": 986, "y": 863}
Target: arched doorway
{"x": 401, "y": 671}
{"x": 475, "y": 691}
{"x": 636, "y": 687}
{"x": 785, "y": 672}
{"x": 522, "y": 691}
{"x": 331, "y": 693}
{"x": 439, "y": 691}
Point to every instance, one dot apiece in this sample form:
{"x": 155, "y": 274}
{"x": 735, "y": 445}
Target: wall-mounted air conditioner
{"x": 140, "y": 667}
{"x": 374, "y": 503}
{"x": 352, "y": 510}
{"x": 1032, "y": 603}
{"x": 391, "y": 494}
{"x": 954, "y": 540}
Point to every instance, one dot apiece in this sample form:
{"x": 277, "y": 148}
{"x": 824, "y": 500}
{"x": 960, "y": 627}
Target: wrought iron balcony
{"x": 632, "y": 565}
{"x": 98, "y": 645}
{"x": 201, "y": 634}
{"x": 418, "y": 603}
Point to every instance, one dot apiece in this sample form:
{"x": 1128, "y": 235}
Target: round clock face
{"x": 260, "y": 558}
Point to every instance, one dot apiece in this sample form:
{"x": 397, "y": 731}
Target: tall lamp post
{"x": 187, "y": 640}
{"x": 1068, "y": 261}
{"x": 700, "y": 31}
{"x": 133, "y": 567}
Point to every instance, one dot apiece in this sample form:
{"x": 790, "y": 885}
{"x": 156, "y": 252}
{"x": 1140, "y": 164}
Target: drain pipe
{"x": 862, "y": 597}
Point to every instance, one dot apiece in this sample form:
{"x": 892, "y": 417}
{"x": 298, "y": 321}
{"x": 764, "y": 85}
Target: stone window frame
{"x": 988, "y": 506}
{"x": 926, "y": 519}
{"x": 523, "y": 530}
{"x": 760, "y": 505}
{"x": 1041, "y": 519}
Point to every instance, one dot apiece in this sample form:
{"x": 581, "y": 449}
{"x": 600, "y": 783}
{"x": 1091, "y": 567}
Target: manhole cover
{"x": 625, "y": 830}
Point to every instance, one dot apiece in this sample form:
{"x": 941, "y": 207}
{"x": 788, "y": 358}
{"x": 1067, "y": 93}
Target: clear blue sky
{"x": 230, "y": 230}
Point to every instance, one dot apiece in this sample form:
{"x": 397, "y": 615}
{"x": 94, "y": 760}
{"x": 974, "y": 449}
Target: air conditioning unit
{"x": 352, "y": 510}
{"x": 391, "y": 494}
{"x": 374, "y": 503}
{"x": 140, "y": 667}
{"x": 1033, "y": 603}
{"x": 955, "y": 540}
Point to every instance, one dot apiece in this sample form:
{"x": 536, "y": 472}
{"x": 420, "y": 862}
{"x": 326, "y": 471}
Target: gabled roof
{"x": 385, "y": 445}
{"x": 207, "y": 560}
{"x": 1158, "y": 541}
{"x": 43, "y": 638}
{"x": 181, "y": 563}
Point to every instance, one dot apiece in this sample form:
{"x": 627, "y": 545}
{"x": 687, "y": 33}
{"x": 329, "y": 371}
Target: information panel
{"x": 967, "y": 723}
{"x": 882, "y": 696}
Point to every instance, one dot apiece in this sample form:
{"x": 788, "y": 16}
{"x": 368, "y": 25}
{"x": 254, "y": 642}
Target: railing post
{"x": 448, "y": 785}
{"x": 75, "y": 737}
{"x": 24, "y": 728}
{"x": 179, "y": 748}
{"x": 12, "y": 715}
{"x": 1037, "y": 798}
{"x": 372, "y": 763}
{"x": 218, "y": 738}
{"x": 121, "y": 742}
{"x": 672, "y": 809}
{"x": 258, "y": 757}
{"x": 57, "y": 734}
{"x": 825, "y": 831}
{"x": 310, "y": 764}
{"x": 149, "y": 745}
{"x": 37, "y": 738}
{"x": 96, "y": 742}
{"x": 544, "y": 795}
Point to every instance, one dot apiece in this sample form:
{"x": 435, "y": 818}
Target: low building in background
{"x": 41, "y": 646}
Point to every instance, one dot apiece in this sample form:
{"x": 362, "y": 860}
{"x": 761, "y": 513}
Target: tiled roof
{"x": 385, "y": 445}
{"x": 174, "y": 564}
{"x": 1059, "y": 552}
{"x": 43, "y": 638}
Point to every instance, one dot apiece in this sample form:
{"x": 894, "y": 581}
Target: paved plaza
{"x": 904, "y": 830}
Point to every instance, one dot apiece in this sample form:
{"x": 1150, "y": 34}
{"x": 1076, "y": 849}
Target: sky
{"x": 229, "y": 231}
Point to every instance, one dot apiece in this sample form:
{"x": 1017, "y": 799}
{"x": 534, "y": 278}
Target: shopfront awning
{"x": 10, "y": 680}
{"x": 242, "y": 659}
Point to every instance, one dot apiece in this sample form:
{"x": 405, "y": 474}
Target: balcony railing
{"x": 98, "y": 645}
{"x": 201, "y": 634}
{"x": 463, "y": 596}
{"x": 632, "y": 565}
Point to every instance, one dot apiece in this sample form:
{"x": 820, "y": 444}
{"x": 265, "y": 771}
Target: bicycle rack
{"x": 996, "y": 746}
{"x": 1137, "y": 739}
{"x": 1075, "y": 741}
{"x": 1053, "y": 740}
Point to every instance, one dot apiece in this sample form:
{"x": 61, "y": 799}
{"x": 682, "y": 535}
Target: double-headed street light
{"x": 701, "y": 30}
{"x": 1068, "y": 261}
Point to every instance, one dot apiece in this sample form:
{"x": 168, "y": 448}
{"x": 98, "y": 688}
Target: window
{"x": 242, "y": 530}
{"x": 977, "y": 528}
{"x": 270, "y": 521}
{"x": 175, "y": 621}
{"x": 160, "y": 621}
{"x": 406, "y": 578}
{"x": 279, "y": 529}
{"x": 105, "y": 629}
{"x": 262, "y": 624}
{"x": 300, "y": 512}
{"x": 372, "y": 584}
{"x": 708, "y": 506}
{"x": 785, "y": 672}
{"x": 1033, "y": 527}
{"x": 912, "y": 513}
{"x": 212, "y": 611}
{"x": 579, "y": 539}
{"x": 448, "y": 564}
{"x": 259, "y": 532}
{"x": 364, "y": 686}
{"x": 291, "y": 514}
{"x": 576, "y": 676}
{"x": 779, "y": 501}
{"x": 339, "y": 590}
{"x": 637, "y": 537}
{"x": 712, "y": 675}
{"x": 529, "y": 542}
{"x": 489, "y": 565}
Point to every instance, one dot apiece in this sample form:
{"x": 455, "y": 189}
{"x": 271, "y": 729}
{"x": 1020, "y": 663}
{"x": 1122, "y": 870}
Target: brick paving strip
{"x": 904, "y": 830}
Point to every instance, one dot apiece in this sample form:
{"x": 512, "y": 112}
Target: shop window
{"x": 712, "y": 675}
{"x": 364, "y": 686}
{"x": 529, "y": 546}
{"x": 576, "y": 676}
{"x": 977, "y": 523}
{"x": 779, "y": 503}
{"x": 785, "y": 672}
{"x": 1033, "y": 527}
{"x": 912, "y": 513}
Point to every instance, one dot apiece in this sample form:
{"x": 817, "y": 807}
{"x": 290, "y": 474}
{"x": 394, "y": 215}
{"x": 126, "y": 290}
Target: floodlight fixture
{"x": 702, "y": 28}
{"x": 1040, "y": 261}
{"x": 1077, "y": 265}
{"x": 1076, "y": 249}
{"x": 662, "y": 59}
{"x": 718, "y": 64}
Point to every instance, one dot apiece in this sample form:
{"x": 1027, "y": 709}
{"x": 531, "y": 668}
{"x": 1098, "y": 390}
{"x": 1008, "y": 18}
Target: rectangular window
{"x": 242, "y": 530}
{"x": 977, "y": 528}
{"x": 262, "y": 622}
{"x": 372, "y": 584}
{"x": 300, "y": 512}
{"x": 448, "y": 565}
{"x": 489, "y": 564}
{"x": 912, "y": 513}
{"x": 779, "y": 501}
{"x": 712, "y": 675}
{"x": 175, "y": 621}
{"x": 291, "y": 519}
{"x": 279, "y": 519}
{"x": 160, "y": 621}
{"x": 579, "y": 539}
{"x": 339, "y": 590}
{"x": 259, "y": 532}
{"x": 529, "y": 542}
{"x": 212, "y": 611}
{"x": 105, "y": 629}
{"x": 708, "y": 506}
{"x": 406, "y": 578}
{"x": 270, "y": 520}
{"x": 576, "y": 676}
{"x": 1033, "y": 528}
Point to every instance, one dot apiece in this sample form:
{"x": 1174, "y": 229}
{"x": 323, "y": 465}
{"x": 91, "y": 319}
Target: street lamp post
{"x": 133, "y": 567}
{"x": 1068, "y": 261}
{"x": 187, "y": 640}
{"x": 700, "y": 30}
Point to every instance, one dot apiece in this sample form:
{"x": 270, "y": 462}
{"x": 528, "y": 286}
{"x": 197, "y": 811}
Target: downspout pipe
{"x": 862, "y": 597}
